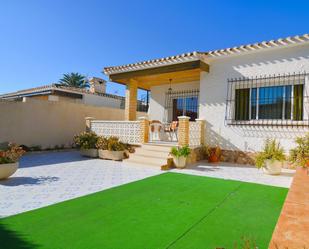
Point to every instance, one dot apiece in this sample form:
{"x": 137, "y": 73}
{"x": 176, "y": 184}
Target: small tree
{"x": 74, "y": 80}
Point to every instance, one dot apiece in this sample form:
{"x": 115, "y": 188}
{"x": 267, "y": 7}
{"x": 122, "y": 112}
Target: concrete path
{"x": 47, "y": 178}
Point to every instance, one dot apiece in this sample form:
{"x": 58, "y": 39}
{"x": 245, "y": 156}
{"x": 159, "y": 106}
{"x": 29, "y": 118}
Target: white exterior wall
{"x": 97, "y": 100}
{"x": 157, "y": 99}
{"x": 213, "y": 93}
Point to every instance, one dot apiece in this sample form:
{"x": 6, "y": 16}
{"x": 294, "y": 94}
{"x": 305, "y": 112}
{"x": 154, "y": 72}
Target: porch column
{"x": 144, "y": 132}
{"x": 202, "y": 125}
{"x": 183, "y": 130}
{"x": 88, "y": 123}
{"x": 131, "y": 101}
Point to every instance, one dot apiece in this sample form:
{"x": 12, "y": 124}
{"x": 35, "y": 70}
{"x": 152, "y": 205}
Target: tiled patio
{"x": 293, "y": 225}
{"x": 240, "y": 173}
{"x": 47, "y": 178}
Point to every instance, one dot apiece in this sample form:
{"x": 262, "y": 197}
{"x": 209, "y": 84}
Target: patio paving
{"x": 47, "y": 178}
{"x": 239, "y": 172}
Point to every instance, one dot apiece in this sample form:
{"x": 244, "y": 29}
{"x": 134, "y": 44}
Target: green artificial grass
{"x": 166, "y": 211}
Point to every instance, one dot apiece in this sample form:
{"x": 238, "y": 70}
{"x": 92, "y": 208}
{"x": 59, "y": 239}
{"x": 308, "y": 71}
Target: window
{"x": 269, "y": 103}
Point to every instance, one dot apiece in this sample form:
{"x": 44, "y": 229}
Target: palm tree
{"x": 74, "y": 80}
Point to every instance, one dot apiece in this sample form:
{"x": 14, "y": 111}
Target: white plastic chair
{"x": 155, "y": 129}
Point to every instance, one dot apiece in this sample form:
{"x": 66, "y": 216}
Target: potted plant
{"x": 180, "y": 155}
{"x": 115, "y": 149}
{"x": 102, "y": 146}
{"x": 214, "y": 154}
{"x": 299, "y": 156}
{"x": 111, "y": 148}
{"x": 271, "y": 158}
{"x": 86, "y": 141}
{"x": 9, "y": 157}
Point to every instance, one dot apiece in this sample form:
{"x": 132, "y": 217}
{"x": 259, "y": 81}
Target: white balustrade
{"x": 127, "y": 131}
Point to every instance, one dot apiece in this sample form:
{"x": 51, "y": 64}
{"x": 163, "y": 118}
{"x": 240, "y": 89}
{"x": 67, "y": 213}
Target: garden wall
{"x": 48, "y": 124}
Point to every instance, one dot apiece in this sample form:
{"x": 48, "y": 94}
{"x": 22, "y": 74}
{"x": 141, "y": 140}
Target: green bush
{"x": 115, "y": 145}
{"x": 300, "y": 154}
{"x": 86, "y": 140}
{"x": 102, "y": 143}
{"x": 180, "y": 151}
{"x": 272, "y": 151}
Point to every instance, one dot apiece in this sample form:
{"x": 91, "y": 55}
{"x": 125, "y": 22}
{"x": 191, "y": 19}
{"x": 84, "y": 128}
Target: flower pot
{"x": 213, "y": 159}
{"x": 272, "y": 167}
{"x": 103, "y": 154}
{"x": 93, "y": 153}
{"x": 180, "y": 162}
{"x": 215, "y": 155}
{"x": 8, "y": 169}
{"x": 112, "y": 155}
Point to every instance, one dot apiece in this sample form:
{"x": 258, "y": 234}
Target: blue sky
{"x": 41, "y": 40}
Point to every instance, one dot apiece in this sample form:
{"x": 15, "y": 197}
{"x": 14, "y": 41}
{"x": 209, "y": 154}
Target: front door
{"x": 187, "y": 106}
{"x": 181, "y": 103}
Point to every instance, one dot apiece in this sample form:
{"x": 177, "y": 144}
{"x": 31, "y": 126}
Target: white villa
{"x": 241, "y": 95}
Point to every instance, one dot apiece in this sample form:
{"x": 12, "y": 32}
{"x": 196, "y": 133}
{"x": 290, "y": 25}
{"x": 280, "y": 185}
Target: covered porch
{"x": 174, "y": 102}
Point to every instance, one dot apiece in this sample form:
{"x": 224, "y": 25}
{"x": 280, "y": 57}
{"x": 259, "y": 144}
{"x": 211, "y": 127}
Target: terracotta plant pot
{"x": 180, "y": 162}
{"x": 112, "y": 155}
{"x": 213, "y": 159}
{"x": 8, "y": 169}
{"x": 93, "y": 153}
{"x": 215, "y": 154}
{"x": 273, "y": 167}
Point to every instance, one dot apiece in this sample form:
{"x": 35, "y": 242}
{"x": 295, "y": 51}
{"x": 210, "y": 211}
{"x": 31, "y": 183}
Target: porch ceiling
{"x": 179, "y": 73}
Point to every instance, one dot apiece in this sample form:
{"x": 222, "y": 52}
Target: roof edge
{"x": 238, "y": 50}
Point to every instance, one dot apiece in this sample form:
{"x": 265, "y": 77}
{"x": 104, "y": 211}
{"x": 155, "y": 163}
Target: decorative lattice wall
{"x": 194, "y": 134}
{"x": 127, "y": 131}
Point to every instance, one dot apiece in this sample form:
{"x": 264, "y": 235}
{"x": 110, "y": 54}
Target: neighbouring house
{"x": 50, "y": 116}
{"x": 244, "y": 94}
{"x": 96, "y": 95}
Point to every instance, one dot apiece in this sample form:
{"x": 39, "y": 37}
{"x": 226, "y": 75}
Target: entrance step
{"x": 151, "y": 154}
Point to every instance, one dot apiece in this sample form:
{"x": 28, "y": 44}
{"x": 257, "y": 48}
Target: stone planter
{"x": 112, "y": 155}
{"x": 180, "y": 162}
{"x": 93, "y": 153}
{"x": 272, "y": 167}
{"x": 8, "y": 169}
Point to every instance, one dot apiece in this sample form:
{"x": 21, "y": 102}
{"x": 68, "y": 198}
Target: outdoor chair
{"x": 155, "y": 128}
{"x": 172, "y": 129}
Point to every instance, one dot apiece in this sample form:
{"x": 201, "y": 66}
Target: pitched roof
{"x": 281, "y": 42}
{"x": 49, "y": 88}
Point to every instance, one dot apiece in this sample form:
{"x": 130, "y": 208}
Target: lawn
{"x": 165, "y": 211}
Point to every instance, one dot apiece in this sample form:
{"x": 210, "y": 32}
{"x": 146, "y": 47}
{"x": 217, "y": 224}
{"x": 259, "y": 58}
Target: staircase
{"x": 151, "y": 154}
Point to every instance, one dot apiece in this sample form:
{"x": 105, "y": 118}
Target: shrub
{"x": 86, "y": 140}
{"x": 180, "y": 151}
{"x": 11, "y": 154}
{"x": 300, "y": 154}
{"x": 102, "y": 143}
{"x": 115, "y": 145}
{"x": 271, "y": 151}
